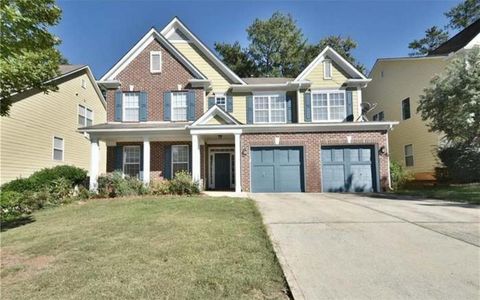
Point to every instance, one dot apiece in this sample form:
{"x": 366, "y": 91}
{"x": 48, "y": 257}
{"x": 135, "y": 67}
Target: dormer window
{"x": 155, "y": 61}
{"x": 221, "y": 101}
{"x": 327, "y": 69}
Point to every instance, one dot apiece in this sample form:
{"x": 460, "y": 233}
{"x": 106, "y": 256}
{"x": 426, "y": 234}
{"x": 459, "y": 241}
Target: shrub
{"x": 399, "y": 176}
{"x": 46, "y": 177}
{"x": 462, "y": 163}
{"x": 117, "y": 185}
{"x": 12, "y": 206}
{"x": 182, "y": 184}
{"x": 160, "y": 187}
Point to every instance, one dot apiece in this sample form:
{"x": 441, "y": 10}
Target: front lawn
{"x": 148, "y": 248}
{"x": 464, "y": 193}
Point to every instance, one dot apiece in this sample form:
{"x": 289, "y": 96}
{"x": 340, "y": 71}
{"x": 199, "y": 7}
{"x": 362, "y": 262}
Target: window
{"x": 221, "y": 101}
{"x": 379, "y": 116}
{"x": 409, "y": 155}
{"x": 179, "y": 158}
{"x": 328, "y": 106}
{"x": 84, "y": 83}
{"x": 131, "y": 161}
{"x": 179, "y": 106}
{"x": 155, "y": 62}
{"x": 85, "y": 116}
{"x": 406, "y": 109}
{"x": 58, "y": 147}
{"x": 269, "y": 109}
{"x": 327, "y": 69}
{"x": 130, "y": 107}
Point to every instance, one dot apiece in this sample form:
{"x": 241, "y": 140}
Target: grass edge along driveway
{"x": 152, "y": 247}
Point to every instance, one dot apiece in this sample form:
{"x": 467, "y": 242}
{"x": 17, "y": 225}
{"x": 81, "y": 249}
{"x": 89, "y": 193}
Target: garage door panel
{"x": 333, "y": 178}
{"x": 277, "y": 169}
{"x": 347, "y": 169}
{"x": 361, "y": 178}
{"x": 263, "y": 178}
{"x": 287, "y": 179}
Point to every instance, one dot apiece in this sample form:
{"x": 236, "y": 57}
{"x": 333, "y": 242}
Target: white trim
{"x": 159, "y": 53}
{"x": 211, "y": 165}
{"x": 212, "y": 112}
{"x": 186, "y": 106}
{"x": 269, "y": 95}
{"x": 124, "y": 106}
{"x": 333, "y": 55}
{"x": 359, "y": 102}
{"x": 325, "y": 61}
{"x": 177, "y": 24}
{"x": 328, "y": 92}
{"x": 62, "y": 149}
{"x": 149, "y": 37}
{"x": 94, "y": 164}
{"x": 146, "y": 161}
{"x": 188, "y": 158}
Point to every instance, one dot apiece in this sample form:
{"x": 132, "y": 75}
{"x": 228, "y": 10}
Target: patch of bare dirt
{"x": 15, "y": 267}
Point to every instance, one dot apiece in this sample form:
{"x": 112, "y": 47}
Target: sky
{"x": 99, "y": 32}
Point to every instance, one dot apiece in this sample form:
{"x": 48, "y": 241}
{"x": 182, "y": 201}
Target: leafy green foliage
{"x": 182, "y": 184}
{"x": 117, "y": 185}
{"x": 28, "y": 55}
{"x": 464, "y": 14}
{"x": 434, "y": 37}
{"x": 12, "y": 206}
{"x": 46, "y": 177}
{"x": 277, "y": 47}
{"x": 462, "y": 162}
{"x": 451, "y": 105}
{"x": 399, "y": 176}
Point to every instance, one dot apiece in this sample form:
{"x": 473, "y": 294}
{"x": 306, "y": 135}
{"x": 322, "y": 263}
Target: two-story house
{"x": 173, "y": 105}
{"x": 396, "y": 86}
{"x": 41, "y": 129}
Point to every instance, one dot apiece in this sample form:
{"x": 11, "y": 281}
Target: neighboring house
{"x": 173, "y": 105}
{"x": 396, "y": 86}
{"x": 41, "y": 129}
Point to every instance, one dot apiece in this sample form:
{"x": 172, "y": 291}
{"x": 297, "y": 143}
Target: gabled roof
{"x": 151, "y": 35}
{"x": 459, "y": 41}
{"x": 177, "y": 28}
{"x": 337, "y": 58}
{"x": 213, "y": 112}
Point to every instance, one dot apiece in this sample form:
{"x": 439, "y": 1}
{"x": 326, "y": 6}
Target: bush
{"x": 12, "y": 206}
{"x": 462, "y": 163}
{"x": 117, "y": 185}
{"x": 46, "y": 177}
{"x": 160, "y": 187}
{"x": 399, "y": 176}
{"x": 182, "y": 184}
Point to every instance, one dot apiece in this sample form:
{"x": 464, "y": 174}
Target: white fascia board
{"x": 289, "y": 86}
{"x": 215, "y": 131}
{"x": 205, "y": 50}
{"x": 342, "y": 62}
{"x": 126, "y": 130}
{"x": 149, "y": 37}
{"x": 210, "y": 113}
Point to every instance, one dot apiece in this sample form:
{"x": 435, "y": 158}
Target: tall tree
{"x": 276, "y": 45}
{"x": 278, "y": 48}
{"x": 451, "y": 105}
{"x": 344, "y": 47}
{"x": 28, "y": 54}
{"x": 463, "y": 14}
{"x": 237, "y": 59}
{"x": 434, "y": 37}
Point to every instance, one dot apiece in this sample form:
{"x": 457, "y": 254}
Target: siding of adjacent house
{"x": 402, "y": 79}
{"x": 27, "y": 133}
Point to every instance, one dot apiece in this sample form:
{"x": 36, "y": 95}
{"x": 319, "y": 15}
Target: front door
{"x": 222, "y": 170}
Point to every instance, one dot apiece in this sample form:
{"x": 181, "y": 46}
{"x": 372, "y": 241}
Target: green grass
{"x": 149, "y": 248}
{"x": 464, "y": 193}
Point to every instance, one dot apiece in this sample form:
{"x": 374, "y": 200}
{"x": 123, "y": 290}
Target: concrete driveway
{"x": 346, "y": 246}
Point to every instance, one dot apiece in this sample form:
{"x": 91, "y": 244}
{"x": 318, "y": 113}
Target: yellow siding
{"x": 220, "y": 83}
{"x": 240, "y": 107}
{"x": 400, "y": 80}
{"x": 316, "y": 77}
{"x": 27, "y": 134}
{"x": 216, "y": 120}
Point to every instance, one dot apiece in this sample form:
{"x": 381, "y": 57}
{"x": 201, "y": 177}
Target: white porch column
{"x": 195, "y": 158}
{"x": 238, "y": 176}
{"x": 146, "y": 161}
{"x": 94, "y": 164}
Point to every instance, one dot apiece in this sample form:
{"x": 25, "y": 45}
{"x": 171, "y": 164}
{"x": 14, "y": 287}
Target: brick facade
{"x": 138, "y": 74}
{"x": 312, "y": 143}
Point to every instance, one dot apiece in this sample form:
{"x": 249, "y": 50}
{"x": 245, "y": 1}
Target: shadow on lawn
{"x": 16, "y": 223}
